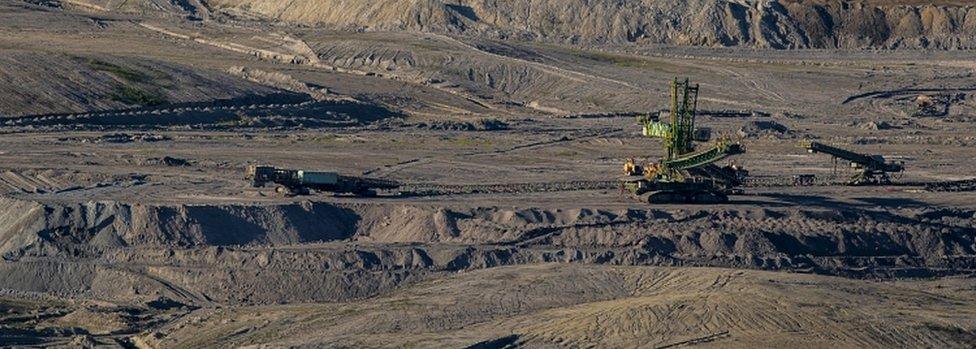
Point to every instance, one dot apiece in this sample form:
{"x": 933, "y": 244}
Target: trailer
{"x": 303, "y": 182}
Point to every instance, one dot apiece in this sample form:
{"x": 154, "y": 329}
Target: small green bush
{"x": 134, "y": 96}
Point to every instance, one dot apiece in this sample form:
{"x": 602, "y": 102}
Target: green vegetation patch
{"x": 135, "y": 87}
{"x": 467, "y": 142}
{"x": 136, "y": 96}
{"x": 124, "y": 73}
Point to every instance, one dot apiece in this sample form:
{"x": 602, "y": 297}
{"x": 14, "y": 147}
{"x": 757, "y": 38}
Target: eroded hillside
{"x": 127, "y": 218}
{"x": 763, "y": 23}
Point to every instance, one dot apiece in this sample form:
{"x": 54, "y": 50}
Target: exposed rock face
{"x": 232, "y": 253}
{"x": 28, "y": 228}
{"x": 754, "y": 23}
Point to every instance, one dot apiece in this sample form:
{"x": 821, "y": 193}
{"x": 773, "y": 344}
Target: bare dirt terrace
{"x": 125, "y": 219}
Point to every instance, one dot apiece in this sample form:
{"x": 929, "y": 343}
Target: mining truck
{"x": 303, "y": 182}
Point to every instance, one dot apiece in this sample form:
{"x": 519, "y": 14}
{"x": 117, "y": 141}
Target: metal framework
{"x": 682, "y": 175}
{"x": 678, "y": 136}
{"x": 869, "y": 169}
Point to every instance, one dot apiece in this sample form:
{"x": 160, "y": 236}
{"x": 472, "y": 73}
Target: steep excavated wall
{"x": 28, "y": 227}
{"x": 258, "y": 253}
{"x": 753, "y": 23}
{"x": 32, "y": 229}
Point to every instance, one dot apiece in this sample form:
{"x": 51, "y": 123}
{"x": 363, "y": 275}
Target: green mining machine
{"x": 868, "y": 169}
{"x": 685, "y": 174}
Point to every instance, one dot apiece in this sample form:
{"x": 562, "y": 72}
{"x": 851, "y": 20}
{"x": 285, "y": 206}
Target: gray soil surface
{"x": 125, "y": 128}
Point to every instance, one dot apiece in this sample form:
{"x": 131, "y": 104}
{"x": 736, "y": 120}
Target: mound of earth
{"x": 479, "y": 125}
{"x": 249, "y": 254}
{"x": 764, "y": 129}
{"x": 875, "y": 125}
{"x": 283, "y": 110}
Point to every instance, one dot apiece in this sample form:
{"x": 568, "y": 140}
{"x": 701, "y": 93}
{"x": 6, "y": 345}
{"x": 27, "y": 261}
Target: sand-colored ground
{"x": 125, "y": 220}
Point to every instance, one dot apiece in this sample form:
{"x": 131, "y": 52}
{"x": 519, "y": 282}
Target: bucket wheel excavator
{"x": 686, "y": 174}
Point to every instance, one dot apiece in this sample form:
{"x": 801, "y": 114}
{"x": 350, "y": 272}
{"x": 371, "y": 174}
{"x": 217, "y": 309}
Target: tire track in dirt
{"x": 906, "y": 91}
{"x": 561, "y": 72}
{"x": 700, "y": 340}
{"x": 389, "y": 170}
{"x": 761, "y": 87}
{"x": 303, "y": 59}
{"x": 176, "y": 289}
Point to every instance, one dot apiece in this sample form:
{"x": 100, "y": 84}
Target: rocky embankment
{"x": 353, "y": 250}
{"x": 752, "y": 23}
